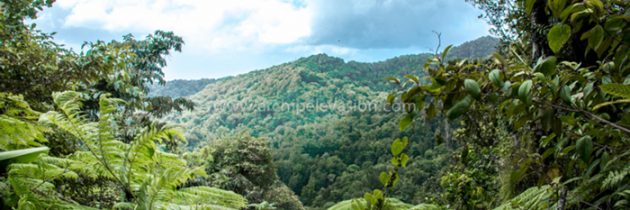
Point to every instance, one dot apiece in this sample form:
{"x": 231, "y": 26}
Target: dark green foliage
{"x": 22, "y": 46}
{"x": 243, "y": 164}
{"x": 555, "y": 118}
{"x": 377, "y": 199}
{"x": 134, "y": 65}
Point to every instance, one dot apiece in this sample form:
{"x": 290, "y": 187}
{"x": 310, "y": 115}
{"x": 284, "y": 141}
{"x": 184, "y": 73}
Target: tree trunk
{"x": 539, "y": 21}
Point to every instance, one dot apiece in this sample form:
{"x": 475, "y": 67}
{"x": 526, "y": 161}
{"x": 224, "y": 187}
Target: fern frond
{"x": 124, "y": 205}
{"x": 88, "y": 165}
{"x": 532, "y": 198}
{"x": 18, "y": 128}
{"x": 208, "y": 196}
{"x": 70, "y": 103}
{"x": 17, "y": 134}
{"x": 614, "y": 179}
{"x": 425, "y": 206}
{"x": 617, "y": 90}
{"x": 152, "y": 176}
{"x": 390, "y": 204}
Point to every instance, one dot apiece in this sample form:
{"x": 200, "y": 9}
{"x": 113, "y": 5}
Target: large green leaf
{"x": 383, "y": 178}
{"x": 398, "y": 145}
{"x": 558, "y": 35}
{"x": 472, "y": 87}
{"x": 547, "y": 66}
{"x": 584, "y": 147}
{"x": 445, "y": 52}
{"x": 529, "y": 5}
{"x": 459, "y": 108}
{"x": 413, "y": 78}
{"x": 406, "y": 121}
{"x": 565, "y": 94}
{"x": 524, "y": 91}
{"x": 616, "y": 90}
{"x": 20, "y": 156}
{"x": 495, "y": 78}
{"x": 23, "y": 155}
{"x": 404, "y": 158}
{"x": 595, "y": 37}
{"x": 621, "y": 101}
{"x": 393, "y": 79}
{"x": 556, "y": 6}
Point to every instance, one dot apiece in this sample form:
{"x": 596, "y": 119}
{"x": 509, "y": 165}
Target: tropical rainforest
{"x": 536, "y": 117}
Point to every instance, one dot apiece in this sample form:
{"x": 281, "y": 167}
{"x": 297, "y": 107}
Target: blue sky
{"x": 232, "y": 37}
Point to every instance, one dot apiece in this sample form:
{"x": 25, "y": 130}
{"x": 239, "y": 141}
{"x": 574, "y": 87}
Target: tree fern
{"x": 149, "y": 177}
{"x": 615, "y": 178}
{"x": 532, "y": 198}
{"x": 390, "y": 204}
{"x": 32, "y": 184}
{"x": 18, "y": 129}
{"x": 426, "y": 207}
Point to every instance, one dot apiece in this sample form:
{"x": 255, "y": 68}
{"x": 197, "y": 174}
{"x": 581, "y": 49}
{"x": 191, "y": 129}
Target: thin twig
{"x": 593, "y": 116}
{"x": 439, "y": 37}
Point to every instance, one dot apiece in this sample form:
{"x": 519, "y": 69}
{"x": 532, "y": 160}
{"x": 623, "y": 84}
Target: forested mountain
{"x": 323, "y": 155}
{"x": 372, "y": 72}
{"x": 542, "y": 124}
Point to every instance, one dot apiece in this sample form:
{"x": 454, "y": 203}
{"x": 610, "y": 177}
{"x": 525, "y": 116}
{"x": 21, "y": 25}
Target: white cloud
{"x": 227, "y": 37}
{"x": 317, "y": 49}
{"x": 211, "y": 26}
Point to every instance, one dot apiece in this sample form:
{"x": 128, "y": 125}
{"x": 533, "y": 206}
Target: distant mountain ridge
{"x": 179, "y": 87}
{"x": 477, "y": 48}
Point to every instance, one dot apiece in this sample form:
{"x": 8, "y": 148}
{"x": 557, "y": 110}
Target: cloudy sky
{"x": 231, "y": 37}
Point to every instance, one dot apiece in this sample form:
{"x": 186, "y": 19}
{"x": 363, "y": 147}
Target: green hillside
{"x": 324, "y": 155}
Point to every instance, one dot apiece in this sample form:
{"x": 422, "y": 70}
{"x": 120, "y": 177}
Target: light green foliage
{"x": 617, "y": 90}
{"x": 426, "y": 207}
{"x": 558, "y": 35}
{"x": 145, "y": 173}
{"x": 532, "y": 198}
{"x": 23, "y": 155}
{"x": 17, "y": 124}
{"x": 263, "y": 206}
{"x": 391, "y": 204}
